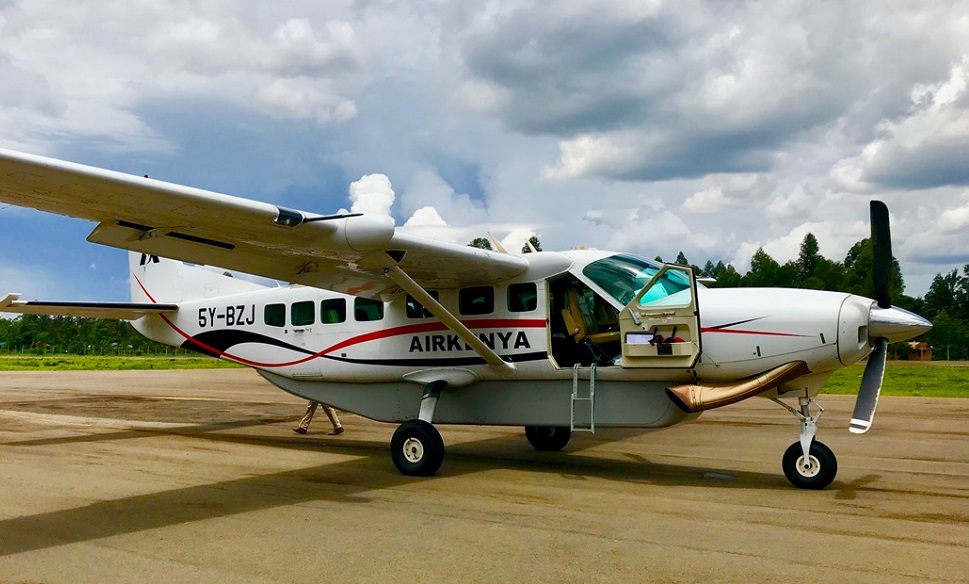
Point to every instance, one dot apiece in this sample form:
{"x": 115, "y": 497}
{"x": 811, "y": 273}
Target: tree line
{"x": 946, "y": 303}
{"x": 36, "y": 334}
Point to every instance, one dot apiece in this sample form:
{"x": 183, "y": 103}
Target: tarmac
{"x": 196, "y": 476}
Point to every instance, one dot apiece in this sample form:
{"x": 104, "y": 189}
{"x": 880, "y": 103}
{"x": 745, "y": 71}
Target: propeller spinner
{"x": 885, "y": 322}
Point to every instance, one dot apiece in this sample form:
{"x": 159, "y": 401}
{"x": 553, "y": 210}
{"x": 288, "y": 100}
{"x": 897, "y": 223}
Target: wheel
{"x": 549, "y": 438}
{"x": 417, "y": 448}
{"x": 824, "y": 466}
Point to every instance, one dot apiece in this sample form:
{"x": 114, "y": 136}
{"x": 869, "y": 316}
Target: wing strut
{"x": 417, "y": 291}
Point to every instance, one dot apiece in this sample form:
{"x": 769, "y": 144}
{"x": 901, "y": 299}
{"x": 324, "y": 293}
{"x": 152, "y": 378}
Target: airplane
{"x": 405, "y": 329}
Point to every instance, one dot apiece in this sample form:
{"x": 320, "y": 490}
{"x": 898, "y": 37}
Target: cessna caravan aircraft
{"x": 405, "y": 329}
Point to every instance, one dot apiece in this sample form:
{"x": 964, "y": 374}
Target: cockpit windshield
{"x": 622, "y": 277}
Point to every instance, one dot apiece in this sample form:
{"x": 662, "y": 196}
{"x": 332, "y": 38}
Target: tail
{"x": 156, "y": 279}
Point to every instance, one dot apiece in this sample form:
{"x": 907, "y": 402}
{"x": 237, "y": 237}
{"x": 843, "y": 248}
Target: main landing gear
{"x": 548, "y": 438}
{"x": 808, "y": 463}
{"x": 417, "y": 448}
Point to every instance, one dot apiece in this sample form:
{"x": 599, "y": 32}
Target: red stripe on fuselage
{"x": 409, "y": 329}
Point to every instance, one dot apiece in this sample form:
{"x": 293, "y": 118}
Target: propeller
{"x": 881, "y": 242}
{"x": 879, "y": 324}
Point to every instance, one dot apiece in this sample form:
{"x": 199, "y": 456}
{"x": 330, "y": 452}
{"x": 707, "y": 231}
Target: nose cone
{"x": 895, "y": 324}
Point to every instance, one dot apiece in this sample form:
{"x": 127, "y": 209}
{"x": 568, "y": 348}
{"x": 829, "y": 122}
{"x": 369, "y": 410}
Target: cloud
{"x": 425, "y": 217}
{"x": 729, "y": 191}
{"x": 926, "y": 148}
{"x": 372, "y": 194}
{"x": 705, "y": 127}
{"x": 302, "y": 98}
{"x": 427, "y": 189}
{"x": 68, "y": 80}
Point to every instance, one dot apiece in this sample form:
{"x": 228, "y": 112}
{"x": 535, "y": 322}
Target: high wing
{"x": 351, "y": 253}
{"x": 110, "y": 310}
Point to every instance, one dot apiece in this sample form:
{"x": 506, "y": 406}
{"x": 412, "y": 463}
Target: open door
{"x": 660, "y": 327}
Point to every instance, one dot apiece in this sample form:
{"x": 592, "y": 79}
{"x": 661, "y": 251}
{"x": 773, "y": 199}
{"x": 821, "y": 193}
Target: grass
{"x": 905, "y": 378}
{"x": 104, "y": 363}
{"x": 908, "y": 378}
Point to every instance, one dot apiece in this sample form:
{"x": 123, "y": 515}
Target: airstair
{"x": 589, "y": 396}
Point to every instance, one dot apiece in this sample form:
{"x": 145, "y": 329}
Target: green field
{"x": 104, "y": 363}
{"x": 934, "y": 379}
{"x": 929, "y": 379}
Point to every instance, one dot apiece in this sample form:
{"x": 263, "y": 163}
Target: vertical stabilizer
{"x": 158, "y": 279}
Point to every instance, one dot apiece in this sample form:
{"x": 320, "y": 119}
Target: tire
{"x": 548, "y": 438}
{"x": 417, "y": 448}
{"x": 824, "y": 466}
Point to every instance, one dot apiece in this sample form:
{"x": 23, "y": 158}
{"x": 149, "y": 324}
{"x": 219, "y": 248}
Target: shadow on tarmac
{"x": 346, "y": 481}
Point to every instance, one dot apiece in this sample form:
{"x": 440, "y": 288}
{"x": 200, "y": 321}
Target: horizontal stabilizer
{"x": 109, "y": 310}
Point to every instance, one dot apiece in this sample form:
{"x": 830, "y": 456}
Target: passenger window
{"x": 333, "y": 311}
{"x": 522, "y": 297}
{"x": 275, "y": 315}
{"x": 365, "y": 309}
{"x": 476, "y": 300}
{"x": 415, "y": 309}
{"x": 302, "y": 313}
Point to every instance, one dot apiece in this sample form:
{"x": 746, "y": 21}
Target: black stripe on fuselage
{"x": 730, "y": 324}
{"x": 223, "y": 340}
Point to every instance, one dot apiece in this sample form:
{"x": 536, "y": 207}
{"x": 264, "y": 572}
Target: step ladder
{"x": 590, "y": 397}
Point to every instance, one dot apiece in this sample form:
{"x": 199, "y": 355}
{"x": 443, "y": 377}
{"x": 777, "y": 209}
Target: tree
{"x": 858, "y": 272}
{"x": 727, "y": 276}
{"x": 948, "y": 294}
{"x": 535, "y": 243}
{"x": 681, "y": 259}
{"x": 480, "y": 243}
{"x": 764, "y": 270}
{"x": 949, "y": 337}
{"x": 809, "y": 258}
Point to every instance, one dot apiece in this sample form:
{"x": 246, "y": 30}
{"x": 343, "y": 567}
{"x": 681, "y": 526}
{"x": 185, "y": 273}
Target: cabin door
{"x": 660, "y": 327}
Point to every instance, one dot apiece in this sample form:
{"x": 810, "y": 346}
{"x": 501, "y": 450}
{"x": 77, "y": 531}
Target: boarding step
{"x": 588, "y": 397}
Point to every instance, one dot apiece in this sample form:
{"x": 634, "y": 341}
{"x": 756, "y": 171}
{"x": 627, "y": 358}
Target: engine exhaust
{"x": 698, "y": 398}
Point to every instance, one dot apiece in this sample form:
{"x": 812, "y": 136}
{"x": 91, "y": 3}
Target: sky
{"x": 709, "y": 127}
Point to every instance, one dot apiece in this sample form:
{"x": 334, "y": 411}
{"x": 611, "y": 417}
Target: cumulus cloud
{"x": 373, "y": 194}
{"x": 425, "y": 217}
{"x": 427, "y": 189}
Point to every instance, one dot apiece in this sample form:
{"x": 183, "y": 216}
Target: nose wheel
{"x": 808, "y": 463}
{"x": 816, "y": 471}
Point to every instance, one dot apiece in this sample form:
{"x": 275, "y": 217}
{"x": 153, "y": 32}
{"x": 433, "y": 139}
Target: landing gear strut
{"x": 808, "y": 463}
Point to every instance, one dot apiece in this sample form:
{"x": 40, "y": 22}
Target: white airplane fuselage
{"x": 375, "y": 359}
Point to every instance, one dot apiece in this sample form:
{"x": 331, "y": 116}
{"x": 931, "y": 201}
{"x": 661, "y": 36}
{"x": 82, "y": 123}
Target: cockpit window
{"x": 622, "y": 277}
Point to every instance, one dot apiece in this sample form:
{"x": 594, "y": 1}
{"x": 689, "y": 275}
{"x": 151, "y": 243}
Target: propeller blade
{"x": 881, "y": 241}
{"x": 871, "y": 386}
